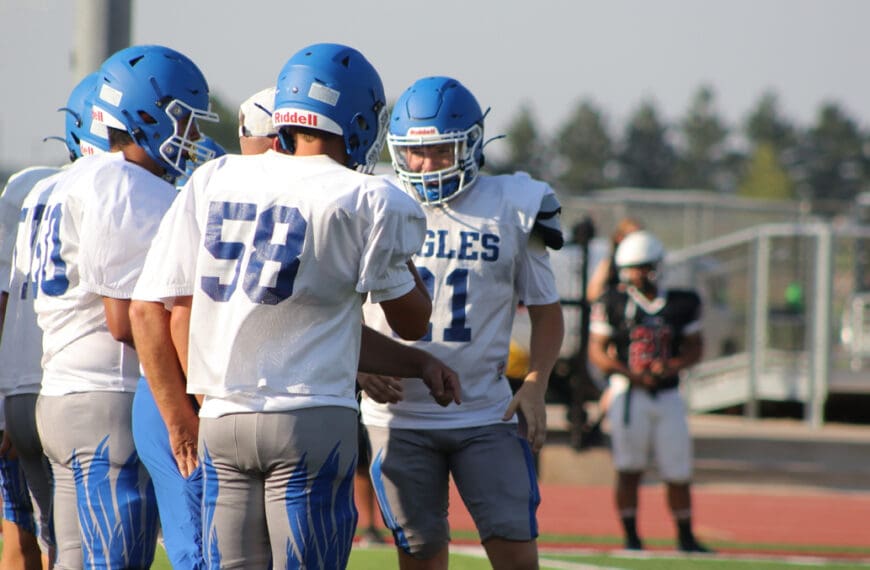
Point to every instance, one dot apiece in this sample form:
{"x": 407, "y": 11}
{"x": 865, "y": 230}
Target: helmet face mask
{"x": 436, "y": 111}
{"x": 157, "y": 95}
{"x": 186, "y": 144}
{"x": 333, "y": 88}
{"x": 215, "y": 151}
{"x": 453, "y": 174}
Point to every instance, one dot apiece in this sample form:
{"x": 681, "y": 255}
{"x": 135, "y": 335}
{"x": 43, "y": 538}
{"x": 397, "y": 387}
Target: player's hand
{"x": 381, "y": 389}
{"x": 657, "y": 368}
{"x": 183, "y": 443}
{"x": 443, "y": 382}
{"x": 529, "y": 402}
{"x": 7, "y": 450}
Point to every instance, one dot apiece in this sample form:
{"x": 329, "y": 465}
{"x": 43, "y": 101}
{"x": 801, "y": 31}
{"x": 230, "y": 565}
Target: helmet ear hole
{"x": 147, "y": 119}
{"x": 353, "y": 142}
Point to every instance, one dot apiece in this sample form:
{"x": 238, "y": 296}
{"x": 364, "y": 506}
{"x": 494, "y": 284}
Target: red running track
{"x": 766, "y": 516}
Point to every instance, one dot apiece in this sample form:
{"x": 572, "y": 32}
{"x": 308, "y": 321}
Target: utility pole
{"x": 102, "y": 27}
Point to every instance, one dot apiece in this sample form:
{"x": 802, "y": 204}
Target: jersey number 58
{"x": 265, "y": 247}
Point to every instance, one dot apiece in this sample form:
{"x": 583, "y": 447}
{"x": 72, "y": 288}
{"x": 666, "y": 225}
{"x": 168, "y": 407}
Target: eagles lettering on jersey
{"x": 478, "y": 259}
{"x": 464, "y": 245}
{"x": 641, "y": 336}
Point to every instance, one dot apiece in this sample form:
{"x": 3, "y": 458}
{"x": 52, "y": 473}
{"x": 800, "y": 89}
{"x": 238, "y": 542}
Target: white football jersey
{"x": 21, "y": 343}
{"x": 283, "y": 247}
{"x": 477, "y": 260}
{"x": 96, "y": 229}
{"x": 17, "y": 187}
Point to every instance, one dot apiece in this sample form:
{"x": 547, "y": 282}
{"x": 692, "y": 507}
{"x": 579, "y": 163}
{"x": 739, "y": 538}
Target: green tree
{"x": 584, "y": 150}
{"x": 833, "y": 156}
{"x": 703, "y": 149}
{"x": 525, "y": 148}
{"x": 765, "y": 177}
{"x": 766, "y": 124}
{"x": 647, "y": 159}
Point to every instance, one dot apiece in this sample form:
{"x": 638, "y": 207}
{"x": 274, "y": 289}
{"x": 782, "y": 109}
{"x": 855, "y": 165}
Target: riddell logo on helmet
{"x": 97, "y": 115}
{"x": 88, "y": 149}
{"x": 423, "y": 131}
{"x": 295, "y": 118}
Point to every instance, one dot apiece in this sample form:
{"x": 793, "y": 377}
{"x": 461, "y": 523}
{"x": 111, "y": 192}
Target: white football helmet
{"x": 637, "y": 249}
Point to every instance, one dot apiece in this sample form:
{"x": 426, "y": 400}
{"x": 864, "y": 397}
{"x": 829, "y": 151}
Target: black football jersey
{"x": 644, "y": 330}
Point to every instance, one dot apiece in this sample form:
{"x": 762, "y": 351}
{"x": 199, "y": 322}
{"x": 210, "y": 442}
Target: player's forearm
{"x": 159, "y": 359}
{"x": 548, "y": 330}
{"x": 118, "y": 319}
{"x": 690, "y": 354}
{"x": 179, "y": 328}
{"x": 599, "y": 357}
{"x": 379, "y": 354}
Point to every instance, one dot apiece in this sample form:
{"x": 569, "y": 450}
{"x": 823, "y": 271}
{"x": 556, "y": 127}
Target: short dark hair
{"x": 119, "y": 138}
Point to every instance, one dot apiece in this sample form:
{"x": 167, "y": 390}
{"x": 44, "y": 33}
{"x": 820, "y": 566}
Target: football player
{"x": 179, "y": 497}
{"x": 485, "y": 249}
{"x": 656, "y": 334}
{"x": 21, "y": 204}
{"x": 256, "y": 129}
{"x": 269, "y": 256}
{"x": 97, "y": 225}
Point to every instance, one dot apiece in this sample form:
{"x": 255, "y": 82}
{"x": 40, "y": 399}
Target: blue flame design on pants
{"x": 321, "y": 525}
{"x": 278, "y": 488}
{"x": 17, "y": 507}
{"x": 118, "y": 521}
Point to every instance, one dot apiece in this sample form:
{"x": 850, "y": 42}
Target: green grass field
{"x": 381, "y": 558}
{"x": 468, "y": 558}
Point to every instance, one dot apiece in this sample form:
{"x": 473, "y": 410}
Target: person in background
{"x": 605, "y": 276}
{"x": 656, "y": 334}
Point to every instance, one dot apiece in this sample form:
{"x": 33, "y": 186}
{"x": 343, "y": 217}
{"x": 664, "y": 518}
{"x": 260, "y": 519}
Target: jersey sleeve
{"x": 8, "y": 226}
{"x": 536, "y": 282}
{"x": 693, "y": 313}
{"x": 599, "y": 316}
{"x": 170, "y": 264}
{"x": 537, "y": 207}
{"x": 396, "y": 232}
{"x": 120, "y": 217}
{"x": 14, "y": 194}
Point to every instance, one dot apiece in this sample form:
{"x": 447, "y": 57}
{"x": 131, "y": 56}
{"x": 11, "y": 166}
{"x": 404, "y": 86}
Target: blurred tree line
{"x": 768, "y": 156}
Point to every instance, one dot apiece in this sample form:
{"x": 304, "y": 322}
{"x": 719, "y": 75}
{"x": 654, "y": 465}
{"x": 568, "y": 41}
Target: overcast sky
{"x": 548, "y": 53}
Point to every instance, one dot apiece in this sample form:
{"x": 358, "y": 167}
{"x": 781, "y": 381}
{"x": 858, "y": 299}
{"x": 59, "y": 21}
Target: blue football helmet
{"x": 333, "y": 88}
{"x": 195, "y": 162}
{"x": 437, "y": 111}
{"x": 83, "y": 136}
{"x": 157, "y": 95}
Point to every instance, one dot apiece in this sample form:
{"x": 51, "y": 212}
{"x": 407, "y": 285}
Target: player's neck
{"x": 137, "y": 155}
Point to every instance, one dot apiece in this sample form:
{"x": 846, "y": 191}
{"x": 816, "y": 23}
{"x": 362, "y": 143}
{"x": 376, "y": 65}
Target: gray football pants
{"x": 21, "y": 427}
{"x": 105, "y": 514}
{"x": 279, "y": 488}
